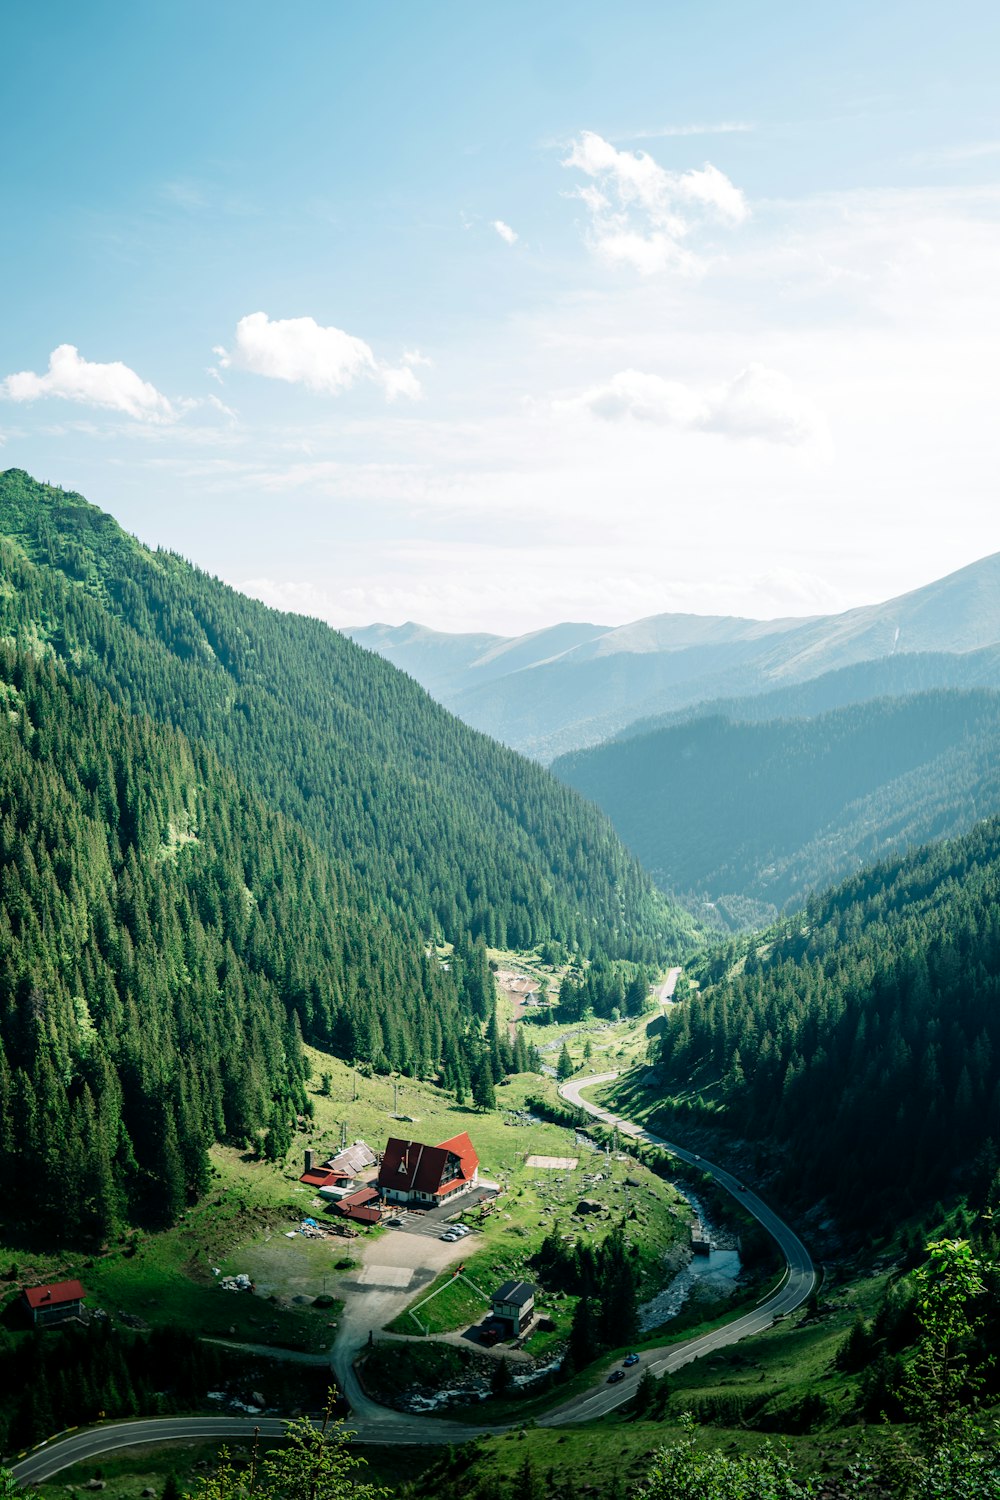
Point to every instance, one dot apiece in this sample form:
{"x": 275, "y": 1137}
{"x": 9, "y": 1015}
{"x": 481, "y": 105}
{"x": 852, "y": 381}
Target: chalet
{"x": 426, "y": 1176}
{"x": 514, "y": 1307}
{"x": 55, "y": 1303}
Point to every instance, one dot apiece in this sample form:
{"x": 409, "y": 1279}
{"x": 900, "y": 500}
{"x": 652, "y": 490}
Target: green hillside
{"x": 860, "y": 1038}
{"x": 754, "y": 816}
{"x": 222, "y": 830}
{"x": 165, "y": 939}
{"x": 443, "y": 829}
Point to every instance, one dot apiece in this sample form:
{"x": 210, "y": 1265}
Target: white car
{"x": 451, "y": 1237}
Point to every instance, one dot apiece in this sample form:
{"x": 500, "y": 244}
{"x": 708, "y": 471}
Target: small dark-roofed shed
{"x": 514, "y": 1306}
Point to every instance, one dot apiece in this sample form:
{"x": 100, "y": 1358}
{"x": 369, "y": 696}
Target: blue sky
{"x": 490, "y": 316}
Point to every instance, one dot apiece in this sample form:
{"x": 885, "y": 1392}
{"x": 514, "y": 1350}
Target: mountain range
{"x": 575, "y": 685}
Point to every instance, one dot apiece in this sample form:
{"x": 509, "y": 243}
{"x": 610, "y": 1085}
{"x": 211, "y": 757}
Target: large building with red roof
{"x": 425, "y": 1176}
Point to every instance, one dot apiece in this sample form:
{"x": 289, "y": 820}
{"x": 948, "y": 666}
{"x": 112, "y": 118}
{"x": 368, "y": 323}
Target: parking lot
{"x": 433, "y": 1222}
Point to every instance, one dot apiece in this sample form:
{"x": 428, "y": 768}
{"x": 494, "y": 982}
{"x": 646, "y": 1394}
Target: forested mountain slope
{"x": 162, "y": 938}
{"x": 754, "y": 816}
{"x": 222, "y": 829}
{"x": 861, "y": 1037}
{"x": 571, "y": 686}
{"x": 437, "y": 825}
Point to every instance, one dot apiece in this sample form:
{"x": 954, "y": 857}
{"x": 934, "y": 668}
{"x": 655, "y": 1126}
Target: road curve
{"x": 797, "y": 1285}
{"x": 375, "y": 1424}
{"x": 665, "y": 993}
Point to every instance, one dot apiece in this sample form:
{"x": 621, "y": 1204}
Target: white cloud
{"x": 112, "y": 386}
{"x": 295, "y": 597}
{"x": 220, "y": 406}
{"x": 508, "y": 235}
{"x": 303, "y": 352}
{"x": 461, "y": 585}
{"x": 762, "y": 403}
{"x": 724, "y": 127}
{"x": 640, "y": 212}
{"x": 759, "y": 403}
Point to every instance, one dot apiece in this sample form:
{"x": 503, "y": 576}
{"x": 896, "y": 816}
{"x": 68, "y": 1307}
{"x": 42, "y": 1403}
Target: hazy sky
{"x": 493, "y": 315}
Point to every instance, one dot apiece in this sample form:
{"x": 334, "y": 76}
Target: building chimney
{"x": 309, "y": 1160}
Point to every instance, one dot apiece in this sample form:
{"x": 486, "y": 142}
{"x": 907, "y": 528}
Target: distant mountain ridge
{"x": 575, "y": 685}
{"x": 752, "y": 816}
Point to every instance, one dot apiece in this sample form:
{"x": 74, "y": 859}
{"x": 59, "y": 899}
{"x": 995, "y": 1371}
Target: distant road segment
{"x": 665, "y": 993}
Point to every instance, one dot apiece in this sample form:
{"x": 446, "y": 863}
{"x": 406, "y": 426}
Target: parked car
{"x": 451, "y": 1238}
{"x": 394, "y": 1223}
{"x": 615, "y": 1376}
{"x": 462, "y": 1229}
{"x": 631, "y": 1359}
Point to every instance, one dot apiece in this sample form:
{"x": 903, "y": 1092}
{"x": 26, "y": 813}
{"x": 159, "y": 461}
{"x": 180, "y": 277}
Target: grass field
{"x": 536, "y": 1200}
{"x": 451, "y": 1303}
{"x": 240, "y": 1225}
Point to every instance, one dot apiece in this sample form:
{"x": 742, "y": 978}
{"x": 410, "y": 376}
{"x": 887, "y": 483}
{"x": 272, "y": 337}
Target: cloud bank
{"x": 113, "y": 387}
{"x": 303, "y": 352}
{"x": 640, "y": 213}
{"x": 508, "y": 235}
{"x": 758, "y": 403}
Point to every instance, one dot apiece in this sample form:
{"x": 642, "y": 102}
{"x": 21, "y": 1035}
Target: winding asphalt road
{"x": 797, "y": 1285}
{"x": 376, "y": 1424}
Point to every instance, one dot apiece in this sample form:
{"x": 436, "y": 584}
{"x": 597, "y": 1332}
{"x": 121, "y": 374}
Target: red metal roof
{"x": 465, "y": 1151}
{"x": 323, "y": 1177}
{"x": 55, "y": 1295}
{"x": 363, "y": 1205}
{"x": 412, "y": 1167}
{"x": 357, "y": 1200}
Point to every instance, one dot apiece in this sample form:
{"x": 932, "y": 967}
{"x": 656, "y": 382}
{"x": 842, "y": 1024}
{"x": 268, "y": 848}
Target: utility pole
{"x": 343, "y": 1134}
{"x": 355, "y": 1087}
{"x": 395, "y": 1099}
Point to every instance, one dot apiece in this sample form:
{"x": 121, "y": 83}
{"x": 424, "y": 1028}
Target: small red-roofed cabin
{"x": 55, "y": 1303}
{"x": 428, "y": 1175}
{"x": 325, "y": 1177}
{"x": 363, "y": 1207}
